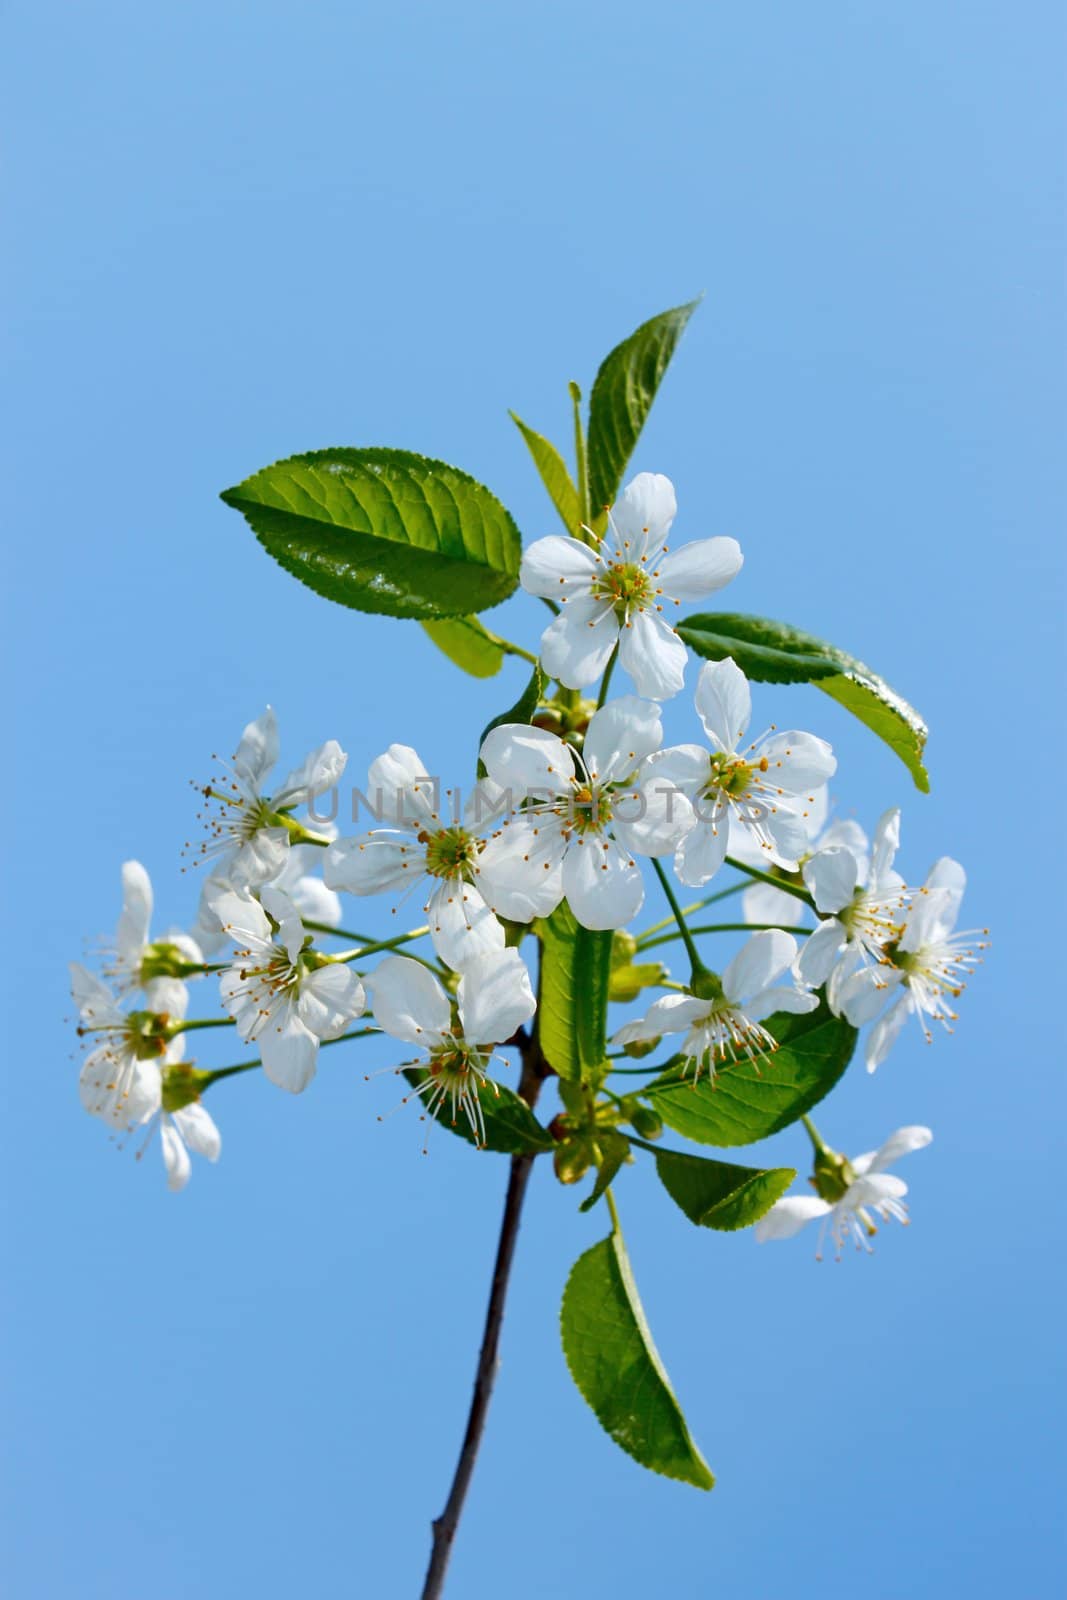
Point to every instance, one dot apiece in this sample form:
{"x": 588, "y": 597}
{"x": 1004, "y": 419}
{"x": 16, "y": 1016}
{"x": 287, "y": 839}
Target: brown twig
{"x": 535, "y": 1070}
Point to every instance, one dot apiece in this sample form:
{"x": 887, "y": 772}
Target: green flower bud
{"x": 646, "y": 1122}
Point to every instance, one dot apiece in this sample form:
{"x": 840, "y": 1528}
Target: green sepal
{"x": 775, "y": 652}
{"x": 616, "y": 1366}
{"x": 718, "y": 1194}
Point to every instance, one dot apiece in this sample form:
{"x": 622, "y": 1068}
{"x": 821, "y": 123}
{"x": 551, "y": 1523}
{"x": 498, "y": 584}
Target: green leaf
{"x": 573, "y": 1003}
{"x": 524, "y": 709}
{"x": 510, "y": 1126}
{"x": 467, "y": 643}
{"x": 750, "y": 1100}
{"x": 554, "y": 475}
{"x": 622, "y": 397}
{"x": 617, "y": 1368}
{"x": 384, "y": 530}
{"x": 717, "y": 1194}
{"x": 614, "y": 1149}
{"x": 774, "y": 652}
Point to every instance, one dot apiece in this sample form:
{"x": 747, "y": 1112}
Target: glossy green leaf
{"x": 622, "y": 397}
{"x": 573, "y": 1004}
{"x": 774, "y": 652}
{"x": 468, "y": 644}
{"x": 510, "y": 1126}
{"x": 384, "y": 530}
{"x": 749, "y": 1100}
{"x": 524, "y": 709}
{"x": 717, "y": 1194}
{"x": 617, "y": 1368}
{"x": 554, "y": 475}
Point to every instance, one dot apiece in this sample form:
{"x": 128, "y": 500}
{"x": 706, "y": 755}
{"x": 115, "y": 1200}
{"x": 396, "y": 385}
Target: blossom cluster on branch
{"x": 528, "y": 874}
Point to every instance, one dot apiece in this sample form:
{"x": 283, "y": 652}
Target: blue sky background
{"x": 238, "y": 231}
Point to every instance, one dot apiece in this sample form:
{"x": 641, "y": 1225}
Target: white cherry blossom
{"x": 729, "y": 1026}
{"x": 136, "y": 961}
{"x": 285, "y": 999}
{"x": 922, "y": 973}
{"x": 857, "y": 1191}
{"x": 493, "y": 998}
{"x": 120, "y": 1079}
{"x": 616, "y": 592}
{"x": 765, "y": 789}
{"x": 185, "y": 1126}
{"x": 866, "y": 901}
{"x": 424, "y": 848}
{"x": 250, "y": 829}
{"x": 584, "y": 817}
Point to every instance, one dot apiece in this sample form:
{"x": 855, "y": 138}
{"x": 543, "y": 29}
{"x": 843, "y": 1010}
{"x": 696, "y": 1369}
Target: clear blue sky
{"x": 237, "y": 231}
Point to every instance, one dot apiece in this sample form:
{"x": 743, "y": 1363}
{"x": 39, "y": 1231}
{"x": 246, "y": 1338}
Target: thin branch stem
{"x": 775, "y": 883}
{"x": 606, "y": 679}
{"x": 821, "y": 1147}
{"x": 679, "y": 915}
{"x": 698, "y": 905}
{"x": 729, "y": 927}
{"x": 534, "y": 1071}
{"x": 247, "y": 1066}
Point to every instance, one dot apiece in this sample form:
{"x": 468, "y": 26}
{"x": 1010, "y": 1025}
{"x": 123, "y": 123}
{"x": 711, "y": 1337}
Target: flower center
{"x": 731, "y": 776}
{"x": 450, "y": 853}
{"x": 590, "y": 808}
{"x": 626, "y": 585}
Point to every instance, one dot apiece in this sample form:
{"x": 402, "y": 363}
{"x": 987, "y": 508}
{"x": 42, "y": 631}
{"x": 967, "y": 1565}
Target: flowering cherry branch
{"x": 541, "y": 868}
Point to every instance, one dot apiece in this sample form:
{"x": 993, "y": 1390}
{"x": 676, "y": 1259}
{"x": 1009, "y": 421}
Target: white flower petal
{"x": 373, "y": 863}
{"x": 901, "y": 1143}
{"x": 575, "y": 647}
{"x": 399, "y": 787}
{"x": 520, "y": 869}
{"x": 799, "y": 762}
{"x": 94, "y": 999}
{"x": 198, "y": 1131}
{"x": 820, "y": 952}
{"x": 462, "y": 926}
{"x": 290, "y": 934}
{"x": 243, "y": 919}
{"x": 136, "y": 914}
{"x": 831, "y": 877}
{"x": 289, "y": 1050}
{"x": 495, "y": 997}
{"x": 703, "y": 850}
{"x": 318, "y": 772}
{"x": 330, "y": 998}
{"x": 620, "y": 735}
{"x": 175, "y": 1157}
{"x": 724, "y": 703}
{"x": 654, "y": 656}
{"x": 700, "y": 568}
{"x": 883, "y": 1035}
{"x": 602, "y": 884}
{"x": 787, "y": 1217}
{"x": 557, "y": 566}
{"x": 759, "y": 962}
{"x": 259, "y": 859}
{"x": 643, "y": 513}
{"x": 886, "y": 845}
{"x": 527, "y": 760}
{"x": 258, "y": 750}
{"x": 674, "y": 1013}
{"x": 408, "y": 1001}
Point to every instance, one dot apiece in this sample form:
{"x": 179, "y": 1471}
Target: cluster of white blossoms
{"x": 566, "y": 812}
